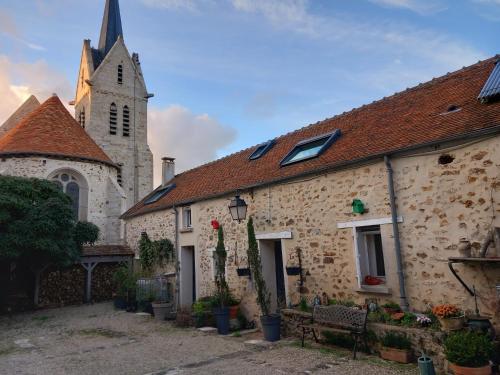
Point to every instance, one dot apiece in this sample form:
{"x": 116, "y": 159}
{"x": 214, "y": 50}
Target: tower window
{"x": 126, "y": 121}
{"x": 119, "y": 178}
{"x": 81, "y": 118}
{"x": 120, "y": 74}
{"x": 112, "y": 119}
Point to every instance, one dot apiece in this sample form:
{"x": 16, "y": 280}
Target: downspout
{"x": 178, "y": 258}
{"x": 403, "y": 301}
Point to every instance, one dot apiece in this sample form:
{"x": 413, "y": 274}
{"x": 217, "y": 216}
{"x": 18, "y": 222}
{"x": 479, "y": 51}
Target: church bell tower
{"x": 111, "y": 105}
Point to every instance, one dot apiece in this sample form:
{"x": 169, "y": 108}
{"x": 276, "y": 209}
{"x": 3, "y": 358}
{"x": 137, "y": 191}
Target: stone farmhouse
{"x": 377, "y": 202}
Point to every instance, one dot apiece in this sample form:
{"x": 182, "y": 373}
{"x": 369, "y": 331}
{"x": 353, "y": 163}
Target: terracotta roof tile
{"x": 50, "y": 130}
{"x": 407, "y": 119}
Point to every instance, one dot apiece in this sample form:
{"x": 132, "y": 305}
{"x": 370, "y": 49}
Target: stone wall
{"x": 429, "y": 339}
{"x": 438, "y": 204}
{"x": 103, "y": 196}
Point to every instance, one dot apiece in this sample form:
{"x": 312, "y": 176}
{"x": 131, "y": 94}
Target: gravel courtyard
{"x": 99, "y": 340}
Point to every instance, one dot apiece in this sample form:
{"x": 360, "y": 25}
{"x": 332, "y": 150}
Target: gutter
{"x": 485, "y": 132}
{"x": 178, "y": 258}
{"x": 395, "y": 229}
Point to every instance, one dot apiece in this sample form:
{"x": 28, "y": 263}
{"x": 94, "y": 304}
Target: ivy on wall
{"x": 155, "y": 253}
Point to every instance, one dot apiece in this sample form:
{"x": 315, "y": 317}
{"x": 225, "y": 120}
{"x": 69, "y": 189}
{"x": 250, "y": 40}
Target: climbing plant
{"x": 154, "y": 253}
{"x": 255, "y": 264}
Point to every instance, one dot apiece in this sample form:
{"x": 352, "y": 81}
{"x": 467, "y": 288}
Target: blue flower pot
{"x": 271, "y": 325}
{"x": 222, "y": 320}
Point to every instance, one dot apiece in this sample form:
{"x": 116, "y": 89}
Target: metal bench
{"x": 338, "y": 319}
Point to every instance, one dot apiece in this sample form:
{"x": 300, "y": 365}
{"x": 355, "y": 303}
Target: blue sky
{"x": 248, "y": 70}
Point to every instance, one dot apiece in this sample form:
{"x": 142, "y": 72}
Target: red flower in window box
{"x": 372, "y": 280}
{"x": 215, "y": 224}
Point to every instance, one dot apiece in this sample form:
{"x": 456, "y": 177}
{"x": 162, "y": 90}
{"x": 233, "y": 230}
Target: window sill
{"x": 186, "y": 230}
{"x": 375, "y": 289}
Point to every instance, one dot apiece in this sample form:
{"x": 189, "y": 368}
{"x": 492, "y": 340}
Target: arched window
{"x": 74, "y": 186}
{"x": 112, "y": 119}
{"x": 81, "y": 118}
{"x": 120, "y": 74}
{"x": 126, "y": 121}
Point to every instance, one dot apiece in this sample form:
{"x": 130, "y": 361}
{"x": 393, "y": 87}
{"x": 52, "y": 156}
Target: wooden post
{"x": 38, "y": 274}
{"x": 88, "y": 288}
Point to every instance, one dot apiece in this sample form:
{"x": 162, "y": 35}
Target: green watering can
{"x": 425, "y": 365}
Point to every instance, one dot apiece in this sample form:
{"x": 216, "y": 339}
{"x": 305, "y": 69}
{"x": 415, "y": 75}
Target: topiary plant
{"x": 468, "y": 349}
{"x": 255, "y": 264}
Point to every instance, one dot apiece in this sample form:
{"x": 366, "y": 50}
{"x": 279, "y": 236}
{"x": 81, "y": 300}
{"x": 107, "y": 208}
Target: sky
{"x": 230, "y": 74}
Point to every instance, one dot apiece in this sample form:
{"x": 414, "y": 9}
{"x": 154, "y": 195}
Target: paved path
{"x": 98, "y": 340}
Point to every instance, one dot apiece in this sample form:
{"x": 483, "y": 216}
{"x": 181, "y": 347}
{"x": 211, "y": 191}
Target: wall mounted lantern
{"x": 238, "y": 208}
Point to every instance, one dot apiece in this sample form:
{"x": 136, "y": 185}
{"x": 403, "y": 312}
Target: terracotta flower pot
{"x": 233, "y": 312}
{"x": 452, "y": 324}
{"x": 396, "y": 355}
{"x": 460, "y": 370}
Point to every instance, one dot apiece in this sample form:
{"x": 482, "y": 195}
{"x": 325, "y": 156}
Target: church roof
{"x": 440, "y": 110}
{"x": 25, "y": 109}
{"x": 50, "y": 130}
{"x": 111, "y": 27}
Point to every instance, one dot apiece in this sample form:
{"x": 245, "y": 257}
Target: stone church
{"x": 101, "y": 157}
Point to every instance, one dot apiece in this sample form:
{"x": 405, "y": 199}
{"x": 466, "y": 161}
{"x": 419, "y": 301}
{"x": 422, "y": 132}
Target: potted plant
{"x": 468, "y": 353}
{"x": 234, "y": 306}
{"x": 125, "y": 282}
{"x": 221, "y": 312}
{"x": 270, "y": 322}
{"x": 391, "y": 307}
{"x": 396, "y": 347}
{"x": 450, "y": 317}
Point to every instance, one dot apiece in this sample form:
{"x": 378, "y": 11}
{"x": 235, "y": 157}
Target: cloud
{"x": 383, "y": 38}
{"x": 191, "y": 139}
{"x": 19, "y": 80}
{"x": 191, "y": 5}
{"x": 8, "y": 27}
{"x": 423, "y": 7}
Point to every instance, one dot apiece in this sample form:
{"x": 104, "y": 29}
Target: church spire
{"x": 111, "y": 27}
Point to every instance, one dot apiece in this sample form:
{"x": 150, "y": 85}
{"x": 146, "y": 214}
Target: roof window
{"x": 261, "y": 149}
{"x": 158, "y": 194}
{"x": 310, "y": 148}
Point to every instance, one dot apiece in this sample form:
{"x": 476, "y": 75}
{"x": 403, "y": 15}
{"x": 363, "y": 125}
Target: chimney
{"x": 167, "y": 170}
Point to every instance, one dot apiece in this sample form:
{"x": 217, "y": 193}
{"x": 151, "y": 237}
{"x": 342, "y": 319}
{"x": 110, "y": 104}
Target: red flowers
{"x": 215, "y": 224}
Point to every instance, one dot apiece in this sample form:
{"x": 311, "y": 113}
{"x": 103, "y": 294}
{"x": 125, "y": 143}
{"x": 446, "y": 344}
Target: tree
{"x": 220, "y": 277}
{"x": 255, "y": 264}
{"x": 37, "y": 227}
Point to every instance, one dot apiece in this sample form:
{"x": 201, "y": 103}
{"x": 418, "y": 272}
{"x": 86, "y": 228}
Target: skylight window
{"x": 262, "y": 149}
{"x": 157, "y": 195}
{"x": 310, "y": 148}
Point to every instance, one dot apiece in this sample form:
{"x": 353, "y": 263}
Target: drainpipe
{"x": 403, "y": 301}
{"x": 178, "y": 258}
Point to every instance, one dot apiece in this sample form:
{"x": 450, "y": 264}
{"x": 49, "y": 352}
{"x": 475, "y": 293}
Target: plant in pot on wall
{"x": 396, "y": 347}
{"x": 221, "y": 312}
{"x": 450, "y": 317}
{"x": 270, "y": 322}
{"x": 469, "y": 353}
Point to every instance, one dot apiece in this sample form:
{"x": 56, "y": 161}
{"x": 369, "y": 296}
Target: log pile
{"x": 103, "y": 286}
{"x": 60, "y": 287}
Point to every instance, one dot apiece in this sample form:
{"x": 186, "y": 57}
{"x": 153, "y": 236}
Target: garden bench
{"x": 337, "y": 319}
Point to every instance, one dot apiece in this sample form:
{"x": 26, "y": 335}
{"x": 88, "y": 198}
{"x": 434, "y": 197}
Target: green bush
{"x": 347, "y": 303}
{"x": 408, "y": 319}
{"x": 391, "y": 305}
{"x": 396, "y": 341}
{"x": 303, "y": 305}
{"x": 468, "y": 349}
{"x": 338, "y": 339}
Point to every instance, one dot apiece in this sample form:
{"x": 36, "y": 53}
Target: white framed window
{"x": 369, "y": 251}
{"x": 186, "y": 218}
